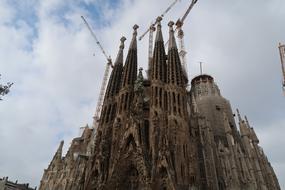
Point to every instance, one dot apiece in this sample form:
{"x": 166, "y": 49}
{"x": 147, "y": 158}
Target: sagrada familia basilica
{"x": 154, "y": 133}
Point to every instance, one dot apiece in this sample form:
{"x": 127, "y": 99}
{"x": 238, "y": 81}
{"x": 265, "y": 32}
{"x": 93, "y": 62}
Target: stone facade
{"x": 154, "y": 134}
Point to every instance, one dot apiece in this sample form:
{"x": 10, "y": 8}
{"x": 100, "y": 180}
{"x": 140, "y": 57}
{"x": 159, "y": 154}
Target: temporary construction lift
{"x": 282, "y": 57}
{"x": 105, "y": 78}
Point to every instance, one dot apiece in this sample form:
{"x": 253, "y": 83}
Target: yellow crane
{"x": 282, "y": 57}
{"x": 105, "y": 78}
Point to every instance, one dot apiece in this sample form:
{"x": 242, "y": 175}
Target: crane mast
{"x": 182, "y": 51}
{"x": 105, "y": 78}
{"x": 282, "y": 57}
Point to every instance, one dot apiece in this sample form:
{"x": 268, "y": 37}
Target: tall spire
{"x": 172, "y": 42}
{"x": 159, "y": 37}
{"x": 158, "y": 65}
{"x": 116, "y": 75}
{"x": 130, "y": 68}
{"x": 119, "y": 58}
{"x": 134, "y": 40}
{"x": 175, "y": 71}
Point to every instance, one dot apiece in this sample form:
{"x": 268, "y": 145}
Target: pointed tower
{"x": 100, "y": 160}
{"x": 110, "y": 105}
{"x": 158, "y": 67}
{"x": 175, "y": 82}
{"x": 175, "y": 130}
{"x": 126, "y": 93}
{"x": 157, "y": 101}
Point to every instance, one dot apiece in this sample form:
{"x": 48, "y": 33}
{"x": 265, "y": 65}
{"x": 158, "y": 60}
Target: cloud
{"x": 46, "y": 50}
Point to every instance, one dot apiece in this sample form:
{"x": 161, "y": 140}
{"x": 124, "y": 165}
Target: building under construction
{"x": 154, "y": 134}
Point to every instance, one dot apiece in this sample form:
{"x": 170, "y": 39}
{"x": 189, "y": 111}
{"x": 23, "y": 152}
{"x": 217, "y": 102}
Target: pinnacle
{"x": 123, "y": 39}
{"x": 159, "y": 37}
{"x": 134, "y": 40}
{"x": 170, "y": 24}
{"x": 172, "y": 43}
{"x": 119, "y": 58}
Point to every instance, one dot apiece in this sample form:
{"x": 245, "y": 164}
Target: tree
{"x": 4, "y": 89}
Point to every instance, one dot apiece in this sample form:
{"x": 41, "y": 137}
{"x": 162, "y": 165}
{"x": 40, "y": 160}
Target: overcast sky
{"x": 57, "y": 68}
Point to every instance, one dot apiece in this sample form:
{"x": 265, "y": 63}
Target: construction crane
{"x": 179, "y": 24}
{"x": 151, "y": 30}
{"x": 105, "y": 78}
{"x": 282, "y": 57}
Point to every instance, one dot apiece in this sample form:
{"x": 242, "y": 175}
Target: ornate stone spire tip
{"x": 123, "y": 39}
{"x": 152, "y": 27}
{"x": 171, "y": 24}
{"x": 134, "y": 39}
{"x": 135, "y": 27}
{"x": 159, "y": 19}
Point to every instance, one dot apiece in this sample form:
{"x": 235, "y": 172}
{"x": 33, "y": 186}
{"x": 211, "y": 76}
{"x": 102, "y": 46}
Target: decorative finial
{"x": 172, "y": 43}
{"x": 152, "y": 27}
{"x": 123, "y": 39}
{"x": 170, "y": 24}
{"x": 135, "y": 27}
{"x": 179, "y": 23}
{"x": 158, "y": 19}
{"x": 133, "y": 44}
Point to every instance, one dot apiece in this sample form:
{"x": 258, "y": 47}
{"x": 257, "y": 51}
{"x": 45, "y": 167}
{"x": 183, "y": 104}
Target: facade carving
{"x": 154, "y": 134}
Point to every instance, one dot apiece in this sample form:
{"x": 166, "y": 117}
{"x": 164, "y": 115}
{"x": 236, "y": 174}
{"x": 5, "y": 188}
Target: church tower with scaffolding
{"x": 154, "y": 134}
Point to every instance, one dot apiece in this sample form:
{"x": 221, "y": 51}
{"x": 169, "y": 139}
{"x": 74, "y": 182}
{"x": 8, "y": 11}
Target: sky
{"x": 57, "y": 68}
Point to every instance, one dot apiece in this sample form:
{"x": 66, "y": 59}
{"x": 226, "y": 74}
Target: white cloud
{"x": 57, "y": 78}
